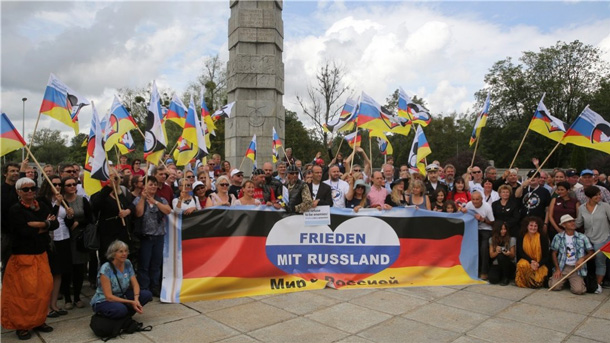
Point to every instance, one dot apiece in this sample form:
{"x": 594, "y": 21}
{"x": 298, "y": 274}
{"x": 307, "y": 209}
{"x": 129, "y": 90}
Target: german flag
{"x": 227, "y": 253}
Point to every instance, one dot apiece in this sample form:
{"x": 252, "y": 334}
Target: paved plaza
{"x": 477, "y": 313}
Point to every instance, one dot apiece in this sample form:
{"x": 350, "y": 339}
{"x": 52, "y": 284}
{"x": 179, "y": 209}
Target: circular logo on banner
{"x": 360, "y": 245}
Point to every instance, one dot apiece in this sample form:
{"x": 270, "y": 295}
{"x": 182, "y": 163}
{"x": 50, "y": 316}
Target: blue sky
{"x": 437, "y": 50}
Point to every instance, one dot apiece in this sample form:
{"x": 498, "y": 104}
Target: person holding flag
{"x": 569, "y": 249}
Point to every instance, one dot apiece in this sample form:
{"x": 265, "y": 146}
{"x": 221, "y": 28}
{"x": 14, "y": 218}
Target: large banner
{"x": 235, "y": 252}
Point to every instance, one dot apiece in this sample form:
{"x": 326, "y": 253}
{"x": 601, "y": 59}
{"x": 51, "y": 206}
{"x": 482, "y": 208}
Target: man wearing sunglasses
{"x": 299, "y": 195}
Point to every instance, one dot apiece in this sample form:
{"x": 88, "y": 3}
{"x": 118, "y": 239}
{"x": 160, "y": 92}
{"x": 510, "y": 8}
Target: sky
{"x": 437, "y": 50}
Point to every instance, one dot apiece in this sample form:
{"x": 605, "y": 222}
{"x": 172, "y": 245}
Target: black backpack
{"x": 108, "y": 328}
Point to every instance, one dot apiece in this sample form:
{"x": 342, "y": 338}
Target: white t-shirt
{"x": 570, "y": 253}
{"x": 485, "y": 211}
{"x": 339, "y": 190}
{"x": 472, "y": 187}
{"x": 186, "y": 204}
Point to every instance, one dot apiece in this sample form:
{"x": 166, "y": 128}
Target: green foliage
{"x": 302, "y": 141}
{"x": 571, "y": 74}
{"x": 49, "y": 146}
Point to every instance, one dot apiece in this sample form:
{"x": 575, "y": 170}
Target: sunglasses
{"x": 476, "y": 172}
{"x": 199, "y": 188}
{"x": 29, "y": 189}
{"x": 70, "y": 171}
{"x": 57, "y": 184}
{"x": 224, "y": 184}
{"x": 191, "y": 177}
{"x": 70, "y": 185}
{"x": 357, "y": 170}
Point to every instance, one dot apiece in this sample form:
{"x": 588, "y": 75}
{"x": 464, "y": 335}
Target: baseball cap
{"x": 197, "y": 184}
{"x": 235, "y": 172}
{"x": 586, "y": 172}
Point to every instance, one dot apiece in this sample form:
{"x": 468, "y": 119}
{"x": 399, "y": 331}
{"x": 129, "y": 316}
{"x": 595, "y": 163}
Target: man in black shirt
{"x": 237, "y": 178}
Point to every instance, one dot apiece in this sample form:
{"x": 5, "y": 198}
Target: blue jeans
{"x": 151, "y": 258}
{"x": 116, "y": 310}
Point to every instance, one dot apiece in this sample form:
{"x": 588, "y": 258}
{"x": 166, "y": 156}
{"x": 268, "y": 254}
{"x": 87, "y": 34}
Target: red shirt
{"x": 166, "y": 193}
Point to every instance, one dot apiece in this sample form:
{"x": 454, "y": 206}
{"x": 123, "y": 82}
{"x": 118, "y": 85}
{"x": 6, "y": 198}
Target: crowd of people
{"x": 533, "y": 231}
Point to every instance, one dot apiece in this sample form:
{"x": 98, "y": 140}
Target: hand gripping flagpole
{"x": 63, "y": 202}
{"x": 116, "y": 192}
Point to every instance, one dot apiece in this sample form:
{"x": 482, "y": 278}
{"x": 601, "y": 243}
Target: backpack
{"x": 108, "y": 328}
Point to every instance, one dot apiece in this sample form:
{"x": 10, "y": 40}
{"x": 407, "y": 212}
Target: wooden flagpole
{"x": 474, "y": 154}
{"x": 370, "y": 148}
{"x": 523, "y": 140}
{"x": 284, "y": 150}
{"x": 339, "y": 149}
{"x": 546, "y": 159}
{"x": 34, "y": 133}
{"x": 354, "y": 151}
{"x": 171, "y": 151}
{"x": 519, "y": 149}
{"x": 63, "y": 202}
{"x": 115, "y": 189}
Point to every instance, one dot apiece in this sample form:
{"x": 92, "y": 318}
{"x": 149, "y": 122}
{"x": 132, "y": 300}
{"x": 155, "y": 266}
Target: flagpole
{"x": 546, "y": 159}
{"x": 242, "y": 162}
{"x": 114, "y": 188}
{"x": 475, "y": 151}
{"x": 339, "y": 149}
{"x": 34, "y": 133}
{"x": 354, "y": 151}
{"x": 284, "y": 150}
{"x": 370, "y": 148}
{"x": 63, "y": 202}
{"x": 171, "y": 151}
{"x": 584, "y": 263}
{"x": 519, "y": 149}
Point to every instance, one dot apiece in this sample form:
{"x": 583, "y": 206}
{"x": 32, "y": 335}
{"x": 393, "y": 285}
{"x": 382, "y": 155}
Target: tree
{"x": 569, "y": 73}
{"x": 77, "y": 151}
{"x": 321, "y": 104}
{"x": 303, "y": 143}
{"x": 49, "y": 146}
{"x": 213, "y": 79}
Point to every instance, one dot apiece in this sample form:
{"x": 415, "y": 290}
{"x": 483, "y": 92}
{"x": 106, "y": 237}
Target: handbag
{"x": 91, "y": 237}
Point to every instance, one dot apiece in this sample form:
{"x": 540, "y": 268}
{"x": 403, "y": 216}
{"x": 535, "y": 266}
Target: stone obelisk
{"x": 255, "y": 79}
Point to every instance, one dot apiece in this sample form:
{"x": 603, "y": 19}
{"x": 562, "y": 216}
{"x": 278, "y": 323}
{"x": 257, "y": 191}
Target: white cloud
{"x": 442, "y": 56}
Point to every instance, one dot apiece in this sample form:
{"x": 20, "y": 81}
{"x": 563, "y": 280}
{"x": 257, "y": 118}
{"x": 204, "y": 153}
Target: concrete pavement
{"x": 477, "y": 313}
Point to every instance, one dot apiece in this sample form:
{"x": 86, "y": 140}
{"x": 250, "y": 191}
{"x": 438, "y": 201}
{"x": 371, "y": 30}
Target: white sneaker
{"x": 599, "y": 289}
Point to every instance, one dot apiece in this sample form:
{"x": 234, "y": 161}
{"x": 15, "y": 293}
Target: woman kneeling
{"x": 118, "y": 293}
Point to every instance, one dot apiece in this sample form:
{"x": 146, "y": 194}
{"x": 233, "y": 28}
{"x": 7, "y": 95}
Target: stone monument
{"x": 255, "y": 79}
